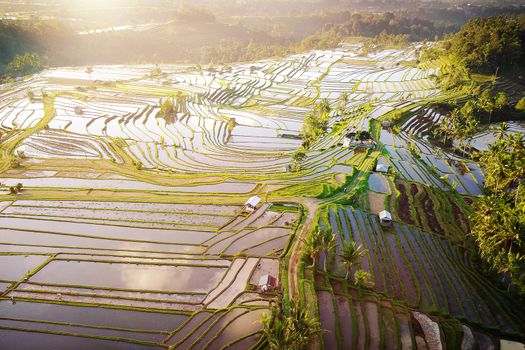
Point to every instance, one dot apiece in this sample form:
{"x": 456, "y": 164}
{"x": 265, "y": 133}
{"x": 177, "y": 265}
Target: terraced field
{"x": 128, "y": 229}
{"x": 156, "y": 267}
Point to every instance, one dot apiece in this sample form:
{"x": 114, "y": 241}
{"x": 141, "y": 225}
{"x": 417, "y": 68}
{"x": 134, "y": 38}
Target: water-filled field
{"x": 123, "y": 226}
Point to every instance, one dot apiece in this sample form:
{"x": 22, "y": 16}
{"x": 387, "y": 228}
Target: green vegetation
{"x": 484, "y": 45}
{"x": 177, "y": 180}
{"x": 22, "y": 65}
{"x": 315, "y": 123}
{"x": 498, "y": 222}
{"x": 291, "y": 329}
{"x": 520, "y": 105}
{"x": 352, "y": 254}
{"x": 237, "y": 51}
{"x": 363, "y": 279}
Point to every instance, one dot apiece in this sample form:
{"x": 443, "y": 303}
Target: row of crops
{"x": 414, "y": 268}
{"x": 106, "y": 273}
{"x": 136, "y": 275}
{"x": 267, "y": 101}
{"x": 418, "y": 160}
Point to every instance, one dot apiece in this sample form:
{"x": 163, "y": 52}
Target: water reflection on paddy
{"x": 131, "y": 276}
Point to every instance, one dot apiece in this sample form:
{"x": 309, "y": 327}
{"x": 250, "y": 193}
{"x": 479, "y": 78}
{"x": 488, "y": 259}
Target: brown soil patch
{"x": 428, "y": 207}
{"x": 377, "y": 202}
{"x": 460, "y": 217}
{"x": 337, "y": 287}
{"x": 469, "y": 200}
{"x": 403, "y": 205}
{"x": 320, "y": 280}
{"x": 414, "y": 190}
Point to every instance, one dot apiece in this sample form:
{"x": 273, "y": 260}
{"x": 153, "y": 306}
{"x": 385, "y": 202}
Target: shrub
{"x": 520, "y": 106}
{"x": 363, "y": 279}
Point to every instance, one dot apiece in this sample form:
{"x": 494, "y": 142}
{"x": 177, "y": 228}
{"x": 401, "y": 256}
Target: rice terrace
{"x": 188, "y": 206}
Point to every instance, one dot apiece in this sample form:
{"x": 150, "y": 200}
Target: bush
{"x": 29, "y": 63}
{"x": 520, "y": 106}
{"x": 363, "y": 279}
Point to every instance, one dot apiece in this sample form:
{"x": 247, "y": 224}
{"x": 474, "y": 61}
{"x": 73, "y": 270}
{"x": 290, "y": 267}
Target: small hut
{"x": 267, "y": 283}
{"x": 348, "y": 140}
{"x": 385, "y": 218}
{"x": 251, "y": 204}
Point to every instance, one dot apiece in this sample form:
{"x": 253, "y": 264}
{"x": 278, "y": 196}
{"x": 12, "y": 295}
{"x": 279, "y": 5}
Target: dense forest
{"x": 471, "y": 62}
{"x": 486, "y": 45}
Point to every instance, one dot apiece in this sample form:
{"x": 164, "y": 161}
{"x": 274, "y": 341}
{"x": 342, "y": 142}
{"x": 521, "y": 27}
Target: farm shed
{"x": 252, "y": 203}
{"x": 385, "y": 217}
{"x": 358, "y": 139}
{"x": 267, "y": 283}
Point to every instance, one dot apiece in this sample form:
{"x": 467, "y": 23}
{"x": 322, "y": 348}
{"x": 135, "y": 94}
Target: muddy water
{"x": 131, "y": 276}
{"x": 70, "y": 329}
{"x": 247, "y": 324}
{"x": 101, "y": 231}
{"x": 92, "y": 316}
{"x": 10, "y": 339}
{"x": 14, "y": 267}
{"x": 64, "y": 242}
{"x": 226, "y": 187}
{"x": 378, "y": 183}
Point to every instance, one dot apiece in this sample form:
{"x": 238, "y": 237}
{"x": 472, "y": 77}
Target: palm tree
{"x": 89, "y": 70}
{"x": 292, "y": 331}
{"x": 327, "y": 243}
{"x": 343, "y": 101}
{"x": 274, "y": 332}
{"x": 502, "y": 130}
{"x": 352, "y": 254}
{"x": 313, "y": 246}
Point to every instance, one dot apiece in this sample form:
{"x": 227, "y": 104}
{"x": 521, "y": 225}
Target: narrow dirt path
{"x": 311, "y": 205}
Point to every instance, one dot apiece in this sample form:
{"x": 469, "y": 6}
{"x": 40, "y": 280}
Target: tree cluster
{"x": 26, "y": 64}
{"x": 315, "y": 123}
{"x": 236, "y": 51}
{"x": 483, "y": 45}
{"x": 371, "y": 25}
{"x": 292, "y": 330}
{"x": 498, "y": 222}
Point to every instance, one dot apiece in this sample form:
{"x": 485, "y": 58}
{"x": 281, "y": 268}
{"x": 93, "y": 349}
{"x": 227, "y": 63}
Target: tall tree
{"x": 89, "y": 71}
{"x": 352, "y": 254}
{"x": 498, "y": 223}
{"x": 313, "y": 246}
{"x": 327, "y": 243}
{"x": 290, "y": 330}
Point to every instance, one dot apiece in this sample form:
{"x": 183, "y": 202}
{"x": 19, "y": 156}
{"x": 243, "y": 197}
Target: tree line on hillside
{"x": 195, "y": 35}
{"x": 371, "y": 25}
{"x": 490, "y": 48}
{"x": 498, "y": 222}
{"x": 494, "y": 45}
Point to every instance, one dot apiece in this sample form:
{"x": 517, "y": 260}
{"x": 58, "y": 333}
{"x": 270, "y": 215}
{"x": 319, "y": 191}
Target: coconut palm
{"x": 293, "y": 330}
{"x": 313, "y": 247}
{"x": 342, "y": 101}
{"x": 327, "y": 243}
{"x": 352, "y": 254}
{"x": 502, "y": 130}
